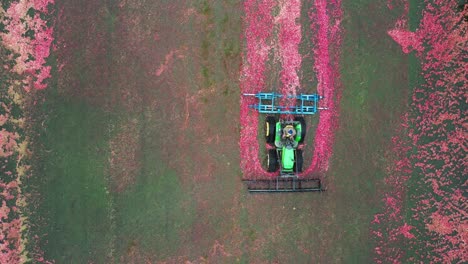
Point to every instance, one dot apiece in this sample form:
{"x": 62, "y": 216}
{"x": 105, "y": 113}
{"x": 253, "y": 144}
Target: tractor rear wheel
{"x": 270, "y": 127}
{"x": 299, "y": 161}
{"x": 272, "y": 160}
{"x": 303, "y": 128}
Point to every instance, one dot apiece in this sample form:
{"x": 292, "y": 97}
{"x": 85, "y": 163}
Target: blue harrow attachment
{"x": 268, "y": 104}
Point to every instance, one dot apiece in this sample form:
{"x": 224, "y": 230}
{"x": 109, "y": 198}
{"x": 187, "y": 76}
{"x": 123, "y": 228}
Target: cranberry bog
{"x": 124, "y": 136}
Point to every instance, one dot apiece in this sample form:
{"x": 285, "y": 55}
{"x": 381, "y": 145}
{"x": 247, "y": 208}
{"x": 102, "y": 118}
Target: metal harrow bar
{"x": 284, "y": 184}
{"x": 267, "y": 104}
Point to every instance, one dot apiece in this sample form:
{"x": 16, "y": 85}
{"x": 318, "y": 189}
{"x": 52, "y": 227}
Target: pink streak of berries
{"x": 436, "y": 130}
{"x": 29, "y": 38}
{"x": 258, "y": 25}
{"x": 326, "y": 19}
{"x": 17, "y": 23}
{"x": 289, "y": 39}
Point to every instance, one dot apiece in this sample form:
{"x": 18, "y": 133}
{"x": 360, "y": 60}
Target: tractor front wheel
{"x": 272, "y": 160}
{"x": 270, "y": 124}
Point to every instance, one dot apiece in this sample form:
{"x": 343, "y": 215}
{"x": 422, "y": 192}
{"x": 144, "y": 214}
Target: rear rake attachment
{"x": 284, "y": 184}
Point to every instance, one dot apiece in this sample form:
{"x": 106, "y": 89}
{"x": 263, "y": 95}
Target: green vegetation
{"x": 375, "y": 95}
{"x": 220, "y": 49}
{"x": 155, "y": 212}
{"x": 74, "y": 204}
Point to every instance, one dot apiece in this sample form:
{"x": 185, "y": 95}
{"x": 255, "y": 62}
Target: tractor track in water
{"x": 258, "y": 28}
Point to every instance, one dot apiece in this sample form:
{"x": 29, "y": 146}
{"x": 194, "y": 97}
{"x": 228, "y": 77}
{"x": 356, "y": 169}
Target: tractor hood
{"x": 287, "y": 160}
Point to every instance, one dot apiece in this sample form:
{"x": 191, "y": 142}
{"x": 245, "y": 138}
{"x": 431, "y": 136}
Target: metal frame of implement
{"x": 284, "y": 184}
{"x": 267, "y": 104}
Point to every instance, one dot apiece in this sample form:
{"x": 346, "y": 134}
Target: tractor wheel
{"x": 272, "y": 160}
{"x": 299, "y": 161}
{"x": 303, "y": 127}
{"x": 270, "y": 127}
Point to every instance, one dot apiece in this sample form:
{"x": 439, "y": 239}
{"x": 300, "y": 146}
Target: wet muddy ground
{"x": 129, "y": 142}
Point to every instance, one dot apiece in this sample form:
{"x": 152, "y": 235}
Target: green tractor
{"x": 285, "y": 137}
